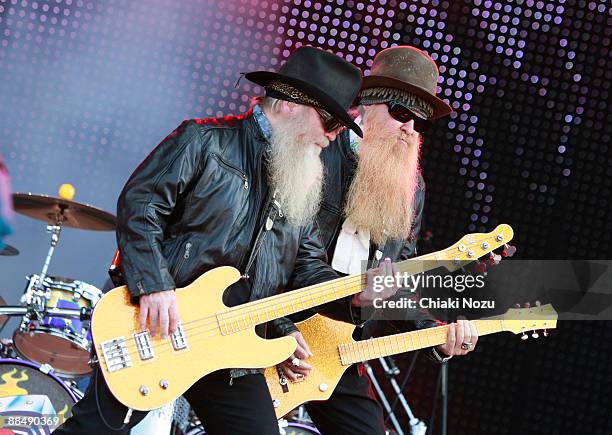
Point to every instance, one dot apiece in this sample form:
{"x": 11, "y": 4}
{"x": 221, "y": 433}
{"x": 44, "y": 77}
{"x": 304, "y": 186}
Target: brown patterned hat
{"x": 410, "y": 70}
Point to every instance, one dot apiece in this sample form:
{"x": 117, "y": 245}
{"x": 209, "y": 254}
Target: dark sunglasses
{"x": 329, "y": 122}
{"x": 401, "y": 113}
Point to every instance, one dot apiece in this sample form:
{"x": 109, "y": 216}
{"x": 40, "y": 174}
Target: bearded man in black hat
{"x": 240, "y": 191}
{"x": 371, "y": 211}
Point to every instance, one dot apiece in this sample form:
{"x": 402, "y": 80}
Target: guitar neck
{"x": 254, "y": 313}
{"x": 359, "y": 351}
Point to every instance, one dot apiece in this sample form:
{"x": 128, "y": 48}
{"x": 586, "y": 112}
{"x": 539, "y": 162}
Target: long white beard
{"x": 295, "y": 171}
{"x": 381, "y": 194}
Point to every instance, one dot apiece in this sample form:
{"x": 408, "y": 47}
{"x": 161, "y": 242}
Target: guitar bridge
{"x": 116, "y": 355}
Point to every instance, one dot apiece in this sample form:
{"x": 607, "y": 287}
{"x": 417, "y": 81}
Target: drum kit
{"x": 50, "y": 349}
{"x": 46, "y": 365}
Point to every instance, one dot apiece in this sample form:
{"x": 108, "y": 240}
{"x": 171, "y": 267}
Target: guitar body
{"x": 323, "y": 336}
{"x": 207, "y": 348}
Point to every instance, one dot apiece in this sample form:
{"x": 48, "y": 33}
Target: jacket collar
{"x": 262, "y": 122}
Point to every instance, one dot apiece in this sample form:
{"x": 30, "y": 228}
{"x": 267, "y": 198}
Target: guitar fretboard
{"x": 359, "y": 351}
{"x": 254, "y": 313}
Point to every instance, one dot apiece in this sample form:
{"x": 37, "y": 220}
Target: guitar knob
{"x": 494, "y": 259}
{"x": 538, "y": 303}
{"x": 322, "y": 387}
{"x": 526, "y": 305}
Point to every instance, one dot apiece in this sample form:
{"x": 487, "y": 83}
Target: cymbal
{"x": 8, "y": 250}
{"x": 70, "y": 213}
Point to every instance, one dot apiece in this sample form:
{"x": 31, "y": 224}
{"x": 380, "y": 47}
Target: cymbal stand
{"x": 417, "y": 427}
{"x": 36, "y": 295}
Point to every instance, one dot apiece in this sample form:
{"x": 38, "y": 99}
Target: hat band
{"x": 283, "y": 91}
{"x": 384, "y": 95}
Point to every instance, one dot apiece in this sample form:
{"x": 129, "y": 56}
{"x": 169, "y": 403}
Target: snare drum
{"x": 63, "y": 343}
{"x": 32, "y": 397}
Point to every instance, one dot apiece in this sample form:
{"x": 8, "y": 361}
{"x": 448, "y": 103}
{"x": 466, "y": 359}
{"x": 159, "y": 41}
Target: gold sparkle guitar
{"x": 334, "y": 350}
{"x": 145, "y": 372}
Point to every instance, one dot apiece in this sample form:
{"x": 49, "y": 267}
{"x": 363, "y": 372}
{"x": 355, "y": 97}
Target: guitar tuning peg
{"x": 480, "y": 267}
{"x": 517, "y": 305}
{"x": 545, "y": 333}
{"x": 524, "y": 336}
{"x": 494, "y": 259}
{"x": 535, "y": 334}
{"x": 538, "y": 303}
{"x": 526, "y": 305}
{"x": 508, "y": 250}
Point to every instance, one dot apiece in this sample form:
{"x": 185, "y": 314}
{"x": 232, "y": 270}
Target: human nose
{"x": 408, "y": 127}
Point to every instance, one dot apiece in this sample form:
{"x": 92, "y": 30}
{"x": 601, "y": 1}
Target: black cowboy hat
{"x": 329, "y": 80}
{"x": 409, "y": 69}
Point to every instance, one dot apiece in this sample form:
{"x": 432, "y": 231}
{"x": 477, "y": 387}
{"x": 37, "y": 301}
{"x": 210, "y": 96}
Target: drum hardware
{"x": 417, "y": 427}
{"x": 83, "y": 314}
{"x": 3, "y": 318}
{"x": 6, "y": 348}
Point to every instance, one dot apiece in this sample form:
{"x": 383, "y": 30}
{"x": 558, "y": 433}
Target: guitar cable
{"x": 128, "y": 415}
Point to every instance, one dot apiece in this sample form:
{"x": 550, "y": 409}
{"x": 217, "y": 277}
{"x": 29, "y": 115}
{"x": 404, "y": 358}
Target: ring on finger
{"x": 295, "y": 362}
{"x": 466, "y": 345}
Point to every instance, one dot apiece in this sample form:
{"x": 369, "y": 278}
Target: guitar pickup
{"x": 178, "y": 338}
{"x": 116, "y": 355}
{"x": 143, "y": 344}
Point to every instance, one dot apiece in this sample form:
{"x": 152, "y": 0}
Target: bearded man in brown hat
{"x": 371, "y": 211}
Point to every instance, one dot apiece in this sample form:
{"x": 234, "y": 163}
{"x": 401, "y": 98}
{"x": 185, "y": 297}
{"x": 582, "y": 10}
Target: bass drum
{"x": 32, "y": 397}
{"x": 285, "y": 429}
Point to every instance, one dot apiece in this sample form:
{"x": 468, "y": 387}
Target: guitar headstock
{"x": 473, "y": 246}
{"x": 524, "y": 320}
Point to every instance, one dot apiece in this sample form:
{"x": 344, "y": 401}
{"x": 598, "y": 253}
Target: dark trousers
{"x": 352, "y": 408}
{"x": 245, "y": 407}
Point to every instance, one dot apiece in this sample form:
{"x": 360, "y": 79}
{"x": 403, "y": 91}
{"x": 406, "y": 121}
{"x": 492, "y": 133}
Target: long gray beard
{"x": 295, "y": 172}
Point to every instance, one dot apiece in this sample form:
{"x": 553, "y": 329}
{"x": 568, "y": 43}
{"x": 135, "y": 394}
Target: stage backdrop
{"x": 88, "y": 88}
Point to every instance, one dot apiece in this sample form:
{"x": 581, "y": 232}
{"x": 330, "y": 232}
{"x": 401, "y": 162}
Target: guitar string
{"x": 235, "y": 314}
{"x": 131, "y": 346}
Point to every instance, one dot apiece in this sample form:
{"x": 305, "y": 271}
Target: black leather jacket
{"x": 340, "y": 165}
{"x": 201, "y": 200}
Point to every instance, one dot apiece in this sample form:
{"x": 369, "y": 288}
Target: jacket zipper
{"x": 255, "y": 248}
{"x": 266, "y": 204}
{"x": 186, "y": 256}
{"x": 245, "y": 180}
